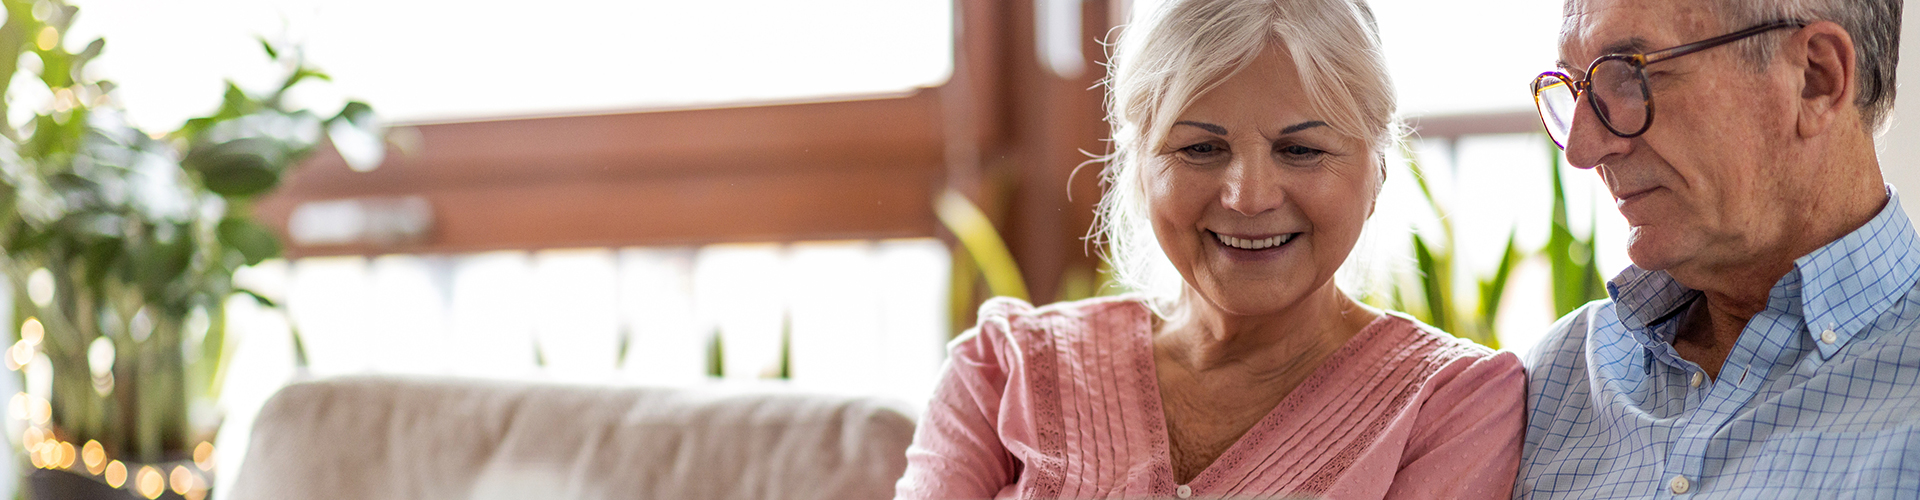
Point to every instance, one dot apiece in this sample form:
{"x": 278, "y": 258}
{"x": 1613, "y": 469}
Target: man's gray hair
{"x": 1873, "y": 24}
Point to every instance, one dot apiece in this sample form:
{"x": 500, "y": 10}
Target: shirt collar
{"x": 1646, "y": 298}
{"x": 1841, "y": 287}
{"x": 1850, "y": 282}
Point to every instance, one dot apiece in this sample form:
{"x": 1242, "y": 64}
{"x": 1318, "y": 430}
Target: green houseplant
{"x": 120, "y": 246}
{"x": 1428, "y": 291}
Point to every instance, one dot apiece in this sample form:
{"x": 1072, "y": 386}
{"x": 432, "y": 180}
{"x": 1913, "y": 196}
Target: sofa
{"x": 382, "y": 437}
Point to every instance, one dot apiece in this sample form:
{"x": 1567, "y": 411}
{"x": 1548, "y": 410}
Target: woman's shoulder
{"x": 1446, "y": 353}
{"x": 1009, "y": 306}
{"x": 1003, "y": 315}
{"x": 1012, "y": 326}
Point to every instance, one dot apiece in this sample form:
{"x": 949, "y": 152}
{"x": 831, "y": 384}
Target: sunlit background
{"x": 863, "y": 317}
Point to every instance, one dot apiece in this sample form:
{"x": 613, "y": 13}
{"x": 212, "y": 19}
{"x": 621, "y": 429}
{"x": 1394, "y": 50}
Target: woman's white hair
{"x": 1185, "y": 48}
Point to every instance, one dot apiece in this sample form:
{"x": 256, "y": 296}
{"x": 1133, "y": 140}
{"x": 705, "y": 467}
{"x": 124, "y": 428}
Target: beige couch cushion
{"x": 413, "y": 438}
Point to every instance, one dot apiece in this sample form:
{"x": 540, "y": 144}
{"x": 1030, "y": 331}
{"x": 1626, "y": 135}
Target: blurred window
{"x": 446, "y": 60}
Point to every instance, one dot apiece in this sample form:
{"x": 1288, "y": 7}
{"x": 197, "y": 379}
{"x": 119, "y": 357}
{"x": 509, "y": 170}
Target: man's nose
{"x": 1589, "y": 142}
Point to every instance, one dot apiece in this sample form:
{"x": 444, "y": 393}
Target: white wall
{"x": 1900, "y": 147}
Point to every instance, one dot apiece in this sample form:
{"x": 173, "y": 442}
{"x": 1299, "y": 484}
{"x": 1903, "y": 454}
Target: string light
{"x": 42, "y": 411}
{"x": 32, "y": 438}
{"x": 32, "y": 331}
{"x": 46, "y": 451}
{"x": 94, "y": 457}
{"x": 19, "y": 355}
{"x": 149, "y": 483}
{"x": 182, "y": 479}
{"x": 49, "y": 454}
{"x": 203, "y": 456}
{"x": 67, "y": 455}
{"x": 116, "y": 474}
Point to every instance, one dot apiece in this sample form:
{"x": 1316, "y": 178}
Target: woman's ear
{"x": 1379, "y": 186}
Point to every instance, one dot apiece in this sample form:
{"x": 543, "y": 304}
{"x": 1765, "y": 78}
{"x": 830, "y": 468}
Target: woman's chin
{"x": 1252, "y": 300}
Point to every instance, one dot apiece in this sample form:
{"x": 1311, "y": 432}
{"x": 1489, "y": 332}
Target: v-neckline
{"x": 1274, "y": 417}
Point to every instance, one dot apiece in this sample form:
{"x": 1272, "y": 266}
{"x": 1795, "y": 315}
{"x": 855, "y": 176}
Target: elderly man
{"x": 1763, "y": 345}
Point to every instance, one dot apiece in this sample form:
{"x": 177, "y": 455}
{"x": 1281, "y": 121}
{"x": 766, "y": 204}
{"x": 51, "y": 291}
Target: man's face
{"x": 1702, "y": 189}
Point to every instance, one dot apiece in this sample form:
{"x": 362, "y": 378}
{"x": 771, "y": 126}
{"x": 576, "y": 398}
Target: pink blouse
{"x": 1063, "y": 402}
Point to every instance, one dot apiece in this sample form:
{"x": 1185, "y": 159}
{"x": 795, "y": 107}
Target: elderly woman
{"x": 1249, "y": 141}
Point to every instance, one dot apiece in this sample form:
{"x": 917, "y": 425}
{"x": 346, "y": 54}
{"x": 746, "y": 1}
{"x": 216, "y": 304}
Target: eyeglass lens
{"x": 1617, "y": 93}
{"x": 1555, "y": 98}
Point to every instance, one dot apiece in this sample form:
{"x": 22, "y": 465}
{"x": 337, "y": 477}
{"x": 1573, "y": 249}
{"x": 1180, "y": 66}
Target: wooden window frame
{"x": 1004, "y": 130}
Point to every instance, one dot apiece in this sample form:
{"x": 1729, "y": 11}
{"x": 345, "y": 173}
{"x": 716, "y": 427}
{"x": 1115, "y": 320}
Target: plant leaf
{"x": 257, "y": 297}
{"x": 268, "y": 46}
{"x": 357, "y": 136}
{"x": 1433, "y": 285}
{"x": 240, "y": 167}
{"x": 976, "y": 233}
{"x": 253, "y": 240}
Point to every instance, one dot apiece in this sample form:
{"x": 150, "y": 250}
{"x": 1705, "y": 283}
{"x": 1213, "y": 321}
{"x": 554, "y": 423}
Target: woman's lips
{"x": 1253, "y": 243}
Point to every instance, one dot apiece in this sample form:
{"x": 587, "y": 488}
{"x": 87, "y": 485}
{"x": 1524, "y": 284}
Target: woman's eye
{"x": 1201, "y": 149}
{"x": 1205, "y": 152}
{"x": 1302, "y": 152}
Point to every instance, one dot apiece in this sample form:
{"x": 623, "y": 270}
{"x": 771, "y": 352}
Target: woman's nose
{"x": 1253, "y": 186}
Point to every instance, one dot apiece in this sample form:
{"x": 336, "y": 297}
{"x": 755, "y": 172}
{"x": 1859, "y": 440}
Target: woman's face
{"x": 1253, "y": 197}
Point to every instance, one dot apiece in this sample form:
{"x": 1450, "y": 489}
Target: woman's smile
{"x": 1253, "y": 247}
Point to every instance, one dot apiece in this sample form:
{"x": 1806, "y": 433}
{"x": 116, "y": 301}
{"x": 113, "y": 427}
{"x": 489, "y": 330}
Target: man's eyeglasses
{"x": 1616, "y": 87}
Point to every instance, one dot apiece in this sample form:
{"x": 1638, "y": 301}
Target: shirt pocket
{"x": 1876, "y": 464}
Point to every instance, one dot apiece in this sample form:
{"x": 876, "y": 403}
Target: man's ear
{"x": 1824, "y": 54}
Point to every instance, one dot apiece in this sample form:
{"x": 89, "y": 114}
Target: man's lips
{"x": 1623, "y": 198}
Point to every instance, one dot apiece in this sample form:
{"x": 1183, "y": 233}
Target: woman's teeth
{"x": 1260, "y": 244}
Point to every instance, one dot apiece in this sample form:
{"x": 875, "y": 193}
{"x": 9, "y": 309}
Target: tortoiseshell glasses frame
{"x": 1616, "y": 87}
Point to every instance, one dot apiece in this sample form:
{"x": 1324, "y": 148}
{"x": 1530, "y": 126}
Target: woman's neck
{"x": 1202, "y": 337}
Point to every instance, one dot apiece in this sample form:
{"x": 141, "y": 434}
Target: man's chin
{"x": 1654, "y": 250}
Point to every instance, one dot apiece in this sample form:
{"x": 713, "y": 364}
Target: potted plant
{"x": 120, "y": 246}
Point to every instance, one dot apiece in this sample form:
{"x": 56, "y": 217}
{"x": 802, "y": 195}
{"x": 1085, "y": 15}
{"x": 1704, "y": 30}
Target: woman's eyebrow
{"x": 1302, "y": 126}
{"x": 1204, "y": 126}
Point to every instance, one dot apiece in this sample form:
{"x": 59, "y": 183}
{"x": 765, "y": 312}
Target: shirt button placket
{"x": 1679, "y": 485}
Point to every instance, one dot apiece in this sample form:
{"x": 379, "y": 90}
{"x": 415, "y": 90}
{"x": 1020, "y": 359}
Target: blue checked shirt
{"x": 1820, "y": 397}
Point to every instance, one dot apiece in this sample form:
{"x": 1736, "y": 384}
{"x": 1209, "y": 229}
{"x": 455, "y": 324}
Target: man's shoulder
{"x": 1565, "y": 343}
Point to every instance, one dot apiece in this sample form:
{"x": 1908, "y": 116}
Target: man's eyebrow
{"x": 1302, "y": 126}
{"x": 1204, "y": 126}
{"x": 1635, "y": 45}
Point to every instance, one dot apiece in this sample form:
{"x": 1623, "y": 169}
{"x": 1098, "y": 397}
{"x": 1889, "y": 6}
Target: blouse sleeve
{"x": 1467, "y": 443}
{"x": 957, "y": 452}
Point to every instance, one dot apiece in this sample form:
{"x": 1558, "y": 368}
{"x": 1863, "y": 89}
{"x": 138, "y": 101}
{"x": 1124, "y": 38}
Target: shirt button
{"x": 1183, "y": 491}
{"x": 1828, "y": 336}
{"x": 1698, "y": 378}
{"x": 1679, "y": 485}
